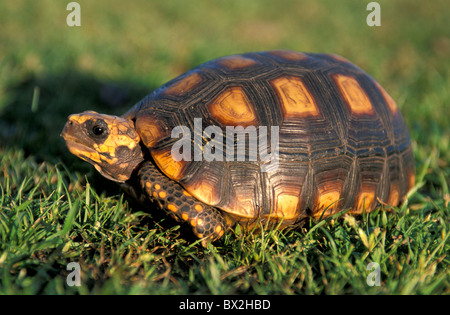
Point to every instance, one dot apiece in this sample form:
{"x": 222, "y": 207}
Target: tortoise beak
{"x": 66, "y": 130}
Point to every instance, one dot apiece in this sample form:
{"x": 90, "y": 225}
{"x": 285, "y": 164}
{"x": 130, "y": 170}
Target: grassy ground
{"x": 55, "y": 209}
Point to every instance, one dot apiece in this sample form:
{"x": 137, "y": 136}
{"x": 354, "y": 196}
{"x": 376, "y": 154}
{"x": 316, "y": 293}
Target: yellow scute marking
{"x": 173, "y": 169}
{"x": 286, "y": 207}
{"x": 296, "y": 100}
{"x": 411, "y": 180}
{"x": 328, "y": 200}
{"x": 233, "y": 108}
{"x": 354, "y": 95}
{"x": 151, "y": 130}
{"x": 203, "y": 191}
{"x": 394, "y": 195}
{"x": 365, "y": 201}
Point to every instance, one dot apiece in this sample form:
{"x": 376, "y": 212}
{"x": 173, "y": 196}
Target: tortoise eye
{"x": 97, "y": 129}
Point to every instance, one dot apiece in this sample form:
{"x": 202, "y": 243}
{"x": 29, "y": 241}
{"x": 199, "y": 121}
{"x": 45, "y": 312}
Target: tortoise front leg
{"x": 207, "y": 222}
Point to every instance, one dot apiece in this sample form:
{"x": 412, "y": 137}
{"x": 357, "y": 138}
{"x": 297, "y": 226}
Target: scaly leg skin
{"x": 207, "y": 222}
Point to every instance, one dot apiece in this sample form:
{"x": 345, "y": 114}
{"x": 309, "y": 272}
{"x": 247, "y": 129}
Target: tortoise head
{"x": 110, "y": 143}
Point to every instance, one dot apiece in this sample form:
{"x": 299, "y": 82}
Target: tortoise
{"x": 199, "y": 145}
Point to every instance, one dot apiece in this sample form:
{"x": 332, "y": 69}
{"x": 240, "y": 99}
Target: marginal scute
{"x": 327, "y": 201}
{"x": 365, "y": 201}
{"x": 241, "y": 206}
{"x": 296, "y": 100}
{"x": 204, "y": 190}
{"x": 286, "y": 207}
{"x": 354, "y": 95}
{"x": 411, "y": 179}
{"x": 233, "y": 108}
{"x": 173, "y": 169}
{"x": 394, "y": 195}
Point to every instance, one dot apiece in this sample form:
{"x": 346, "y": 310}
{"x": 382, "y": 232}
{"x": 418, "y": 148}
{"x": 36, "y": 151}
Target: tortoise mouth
{"x": 77, "y": 148}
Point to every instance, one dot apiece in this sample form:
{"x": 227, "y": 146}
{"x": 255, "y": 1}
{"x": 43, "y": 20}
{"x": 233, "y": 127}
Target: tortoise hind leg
{"x": 207, "y": 222}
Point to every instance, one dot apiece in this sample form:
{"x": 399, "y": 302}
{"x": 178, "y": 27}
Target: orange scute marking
{"x": 328, "y": 200}
{"x": 184, "y": 85}
{"x": 236, "y": 62}
{"x": 296, "y": 101}
{"x": 286, "y": 206}
{"x": 411, "y": 180}
{"x": 354, "y": 95}
{"x": 233, "y": 108}
{"x": 173, "y": 169}
{"x": 388, "y": 99}
{"x": 365, "y": 201}
{"x": 394, "y": 195}
{"x": 289, "y": 55}
{"x": 151, "y": 129}
{"x": 204, "y": 191}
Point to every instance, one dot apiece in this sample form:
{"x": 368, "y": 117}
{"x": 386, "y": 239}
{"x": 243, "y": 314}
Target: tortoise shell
{"x": 342, "y": 141}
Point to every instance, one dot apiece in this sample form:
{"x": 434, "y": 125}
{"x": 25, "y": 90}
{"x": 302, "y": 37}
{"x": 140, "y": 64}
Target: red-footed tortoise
{"x": 272, "y": 137}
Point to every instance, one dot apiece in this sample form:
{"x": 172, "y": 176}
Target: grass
{"x": 55, "y": 209}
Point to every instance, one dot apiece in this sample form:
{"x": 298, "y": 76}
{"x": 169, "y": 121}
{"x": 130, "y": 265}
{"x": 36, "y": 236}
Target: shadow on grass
{"x": 35, "y": 109}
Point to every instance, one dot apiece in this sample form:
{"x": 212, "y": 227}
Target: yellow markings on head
{"x": 157, "y": 187}
{"x": 296, "y": 100}
{"x": 194, "y": 222}
{"x": 92, "y": 155}
{"x": 198, "y": 208}
{"x": 122, "y": 177}
{"x": 121, "y": 133}
{"x": 148, "y": 184}
{"x": 186, "y": 84}
{"x": 218, "y": 229}
{"x": 236, "y": 62}
{"x": 173, "y": 169}
{"x": 233, "y": 108}
{"x": 288, "y": 55}
{"x": 162, "y": 194}
{"x": 172, "y": 208}
{"x": 387, "y": 98}
{"x": 365, "y": 201}
{"x": 354, "y": 95}
{"x": 394, "y": 195}
{"x": 123, "y": 165}
{"x": 185, "y": 216}
{"x": 82, "y": 117}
